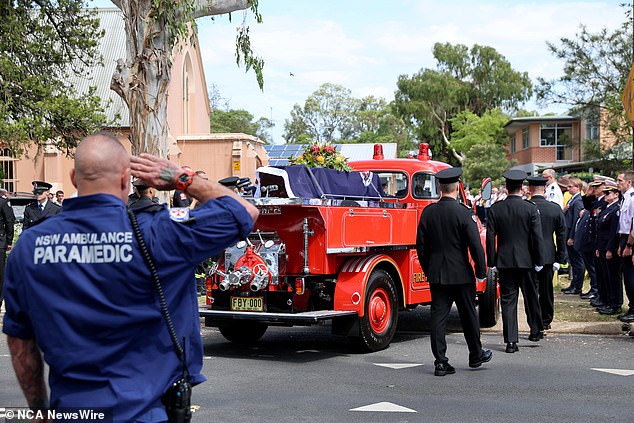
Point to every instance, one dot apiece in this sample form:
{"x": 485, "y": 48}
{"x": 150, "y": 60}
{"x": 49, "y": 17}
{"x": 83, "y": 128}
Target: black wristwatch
{"x": 184, "y": 180}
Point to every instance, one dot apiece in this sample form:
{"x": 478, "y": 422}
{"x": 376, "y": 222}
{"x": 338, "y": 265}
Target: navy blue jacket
{"x": 607, "y": 227}
{"x": 575, "y": 205}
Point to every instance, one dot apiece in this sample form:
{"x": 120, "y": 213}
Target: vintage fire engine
{"x": 348, "y": 258}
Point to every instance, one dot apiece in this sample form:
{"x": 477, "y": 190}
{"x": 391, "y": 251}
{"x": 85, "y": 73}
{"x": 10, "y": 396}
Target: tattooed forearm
{"x": 168, "y": 174}
{"x": 29, "y": 369}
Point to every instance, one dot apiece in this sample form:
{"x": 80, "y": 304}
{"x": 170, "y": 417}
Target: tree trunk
{"x": 142, "y": 79}
{"x": 443, "y": 132}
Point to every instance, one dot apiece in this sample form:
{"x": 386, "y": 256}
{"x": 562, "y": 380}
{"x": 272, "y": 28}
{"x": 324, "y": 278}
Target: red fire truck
{"x": 348, "y": 258}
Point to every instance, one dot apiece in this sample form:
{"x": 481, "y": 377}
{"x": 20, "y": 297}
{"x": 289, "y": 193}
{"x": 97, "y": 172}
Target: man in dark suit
{"x": 36, "y": 212}
{"x": 594, "y": 202}
{"x": 552, "y": 220}
{"x": 447, "y": 233}
{"x": 514, "y": 249}
{"x": 574, "y": 206}
{"x": 607, "y": 245}
{"x": 7, "y": 219}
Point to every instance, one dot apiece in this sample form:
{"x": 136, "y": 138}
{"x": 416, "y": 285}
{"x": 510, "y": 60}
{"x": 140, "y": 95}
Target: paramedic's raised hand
{"x": 155, "y": 171}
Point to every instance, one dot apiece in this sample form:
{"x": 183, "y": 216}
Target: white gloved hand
{"x": 538, "y": 268}
{"x": 481, "y": 279}
{"x": 493, "y": 269}
{"x": 556, "y": 267}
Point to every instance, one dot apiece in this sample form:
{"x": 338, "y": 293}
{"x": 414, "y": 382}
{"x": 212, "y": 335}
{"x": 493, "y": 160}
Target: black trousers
{"x": 588, "y": 262}
{"x": 442, "y": 297}
{"x": 546, "y": 294}
{"x": 3, "y": 259}
{"x": 601, "y": 281}
{"x": 511, "y": 281}
{"x": 611, "y": 276}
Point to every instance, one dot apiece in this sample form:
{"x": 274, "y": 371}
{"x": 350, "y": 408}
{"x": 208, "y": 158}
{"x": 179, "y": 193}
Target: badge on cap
{"x": 179, "y": 214}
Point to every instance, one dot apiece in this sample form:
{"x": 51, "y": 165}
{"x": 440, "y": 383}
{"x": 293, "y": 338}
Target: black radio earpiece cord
{"x": 180, "y": 351}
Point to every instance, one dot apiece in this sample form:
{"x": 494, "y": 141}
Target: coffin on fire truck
{"x": 332, "y": 245}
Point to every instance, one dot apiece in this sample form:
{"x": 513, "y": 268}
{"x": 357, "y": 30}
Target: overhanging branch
{"x": 218, "y": 7}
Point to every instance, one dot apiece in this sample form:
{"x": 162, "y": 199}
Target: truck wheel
{"x": 378, "y": 324}
{"x": 242, "y": 332}
{"x": 489, "y": 303}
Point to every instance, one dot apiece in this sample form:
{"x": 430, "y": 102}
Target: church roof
{"x": 111, "y": 47}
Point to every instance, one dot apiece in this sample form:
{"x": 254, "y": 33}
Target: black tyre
{"x": 243, "y": 332}
{"x": 489, "y": 302}
{"x": 378, "y": 324}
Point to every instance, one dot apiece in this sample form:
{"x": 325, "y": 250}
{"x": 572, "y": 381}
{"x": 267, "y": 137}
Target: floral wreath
{"x": 321, "y": 154}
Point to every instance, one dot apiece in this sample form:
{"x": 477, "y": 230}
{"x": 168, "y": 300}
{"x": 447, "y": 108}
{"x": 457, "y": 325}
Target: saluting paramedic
{"x": 447, "y": 233}
{"x": 514, "y": 249}
{"x": 79, "y": 291}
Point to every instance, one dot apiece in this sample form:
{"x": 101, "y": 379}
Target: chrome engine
{"x": 253, "y": 263}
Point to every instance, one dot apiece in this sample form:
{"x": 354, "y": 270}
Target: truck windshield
{"x": 425, "y": 186}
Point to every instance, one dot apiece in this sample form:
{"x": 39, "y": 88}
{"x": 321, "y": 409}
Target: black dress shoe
{"x": 609, "y": 311}
{"x": 588, "y": 296}
{"x": 536, "y": 337}
{"x": 626, "y": 318}
{"x": 512, "y": 347}
{"x": 442, "y": 369}
{"x": 485, "y": 357}
{"x": 546, "y": 326}
{"x": 571, "y": 291}
{"x": 597, "y": 303}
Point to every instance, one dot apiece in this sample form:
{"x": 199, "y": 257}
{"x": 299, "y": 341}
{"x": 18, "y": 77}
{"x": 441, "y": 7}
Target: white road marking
{"x": 397, "y": 365}
{"x": 620, "y": 372}
{"x": 385, "y": 407}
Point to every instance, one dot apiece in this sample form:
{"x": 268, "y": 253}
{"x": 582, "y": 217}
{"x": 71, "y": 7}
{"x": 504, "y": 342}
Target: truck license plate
{"x": 247, "y": 304}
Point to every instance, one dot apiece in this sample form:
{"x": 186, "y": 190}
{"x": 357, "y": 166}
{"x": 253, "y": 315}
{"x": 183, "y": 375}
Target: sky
{"x": 365, "y": 45}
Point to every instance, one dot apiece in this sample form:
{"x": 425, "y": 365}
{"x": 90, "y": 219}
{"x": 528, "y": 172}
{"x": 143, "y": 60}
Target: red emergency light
{"x": 423, "y": 151}
{"x": 378, "y": 152}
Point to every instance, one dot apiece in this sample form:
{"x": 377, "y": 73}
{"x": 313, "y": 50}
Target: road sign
{"x": 628, "y": 96}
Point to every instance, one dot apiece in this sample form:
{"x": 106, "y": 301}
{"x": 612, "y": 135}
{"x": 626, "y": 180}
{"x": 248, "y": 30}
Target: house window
{"x": 592, "y": 126}
{"x": 525, "y": 141}
{"x": 7, "y": 170}
{"x": 558, "y": 136}
{"x": 513, "y": 144}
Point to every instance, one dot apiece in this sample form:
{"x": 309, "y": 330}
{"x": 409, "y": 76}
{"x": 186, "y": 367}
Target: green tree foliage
{"x": 327, "y": 115}
{"x": 42, "y": 44}
{"x": 471, "y": 129}
{"x": 476, "y": 80}
{"x": 484, "y": 140}
{"x": 484, "y": 160}
{"x": 240, "y": 121}
{"x": 331, "y": 113}
{"x": 596, "y": 66}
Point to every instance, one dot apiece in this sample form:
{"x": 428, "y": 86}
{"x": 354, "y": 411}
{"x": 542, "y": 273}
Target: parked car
{"x": 19, "y": 201}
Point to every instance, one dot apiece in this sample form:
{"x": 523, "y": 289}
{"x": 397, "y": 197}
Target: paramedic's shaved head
{"x": 102, "y": 165}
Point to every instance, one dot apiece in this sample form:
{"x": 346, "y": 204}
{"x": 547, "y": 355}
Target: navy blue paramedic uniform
{"x": 80, "y": 287}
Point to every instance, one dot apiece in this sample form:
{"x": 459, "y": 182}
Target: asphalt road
{"x": 308, "y": 375}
